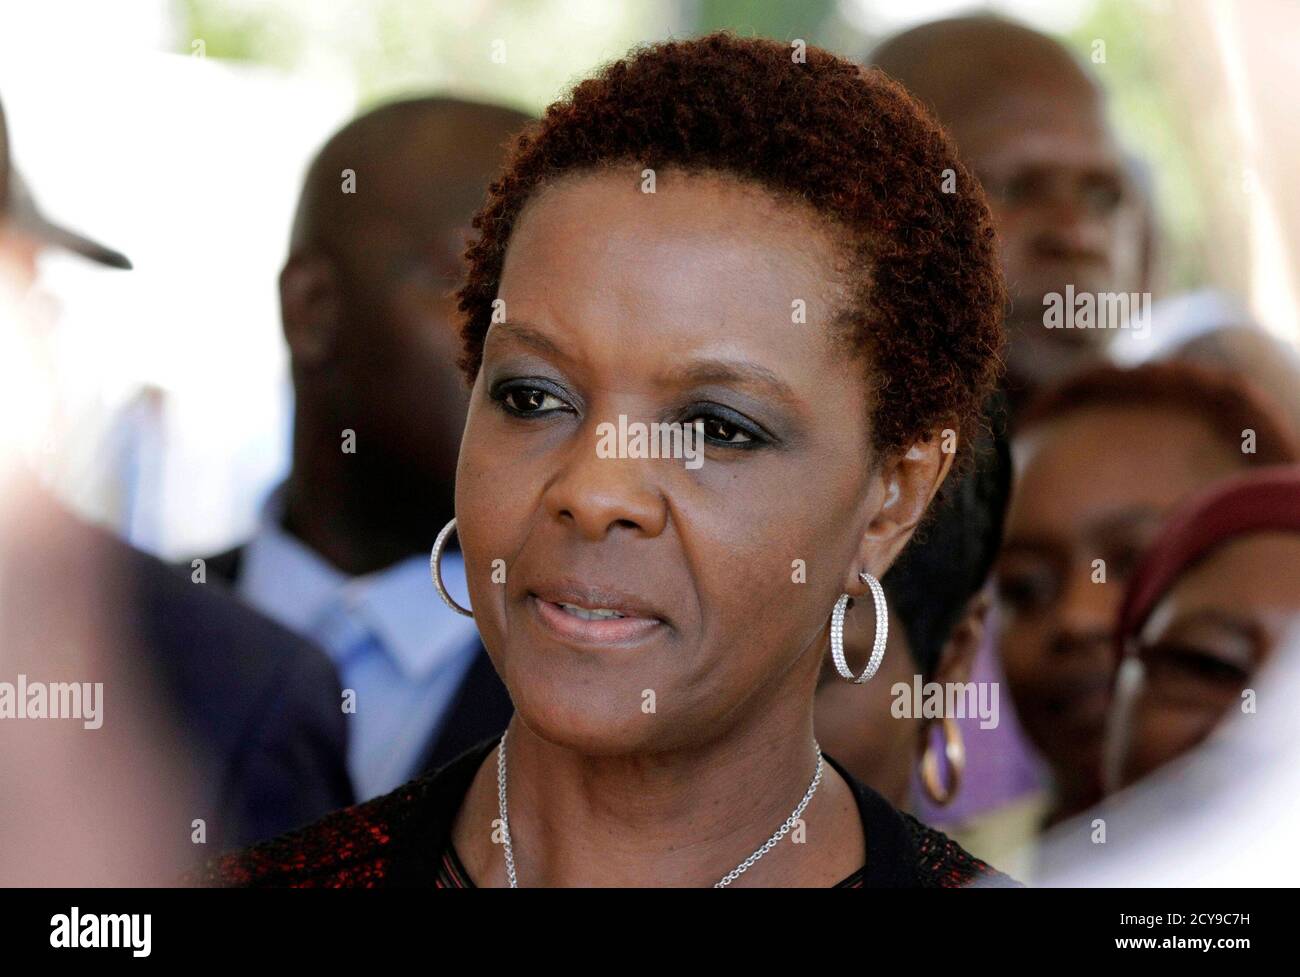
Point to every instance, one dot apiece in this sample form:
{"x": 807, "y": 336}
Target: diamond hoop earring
{"x": 882, "y": 632}
{"x": 435, "y": 570}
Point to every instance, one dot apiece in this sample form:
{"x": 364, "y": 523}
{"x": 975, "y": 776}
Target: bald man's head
{"x": 366, "y": 298}
{"x": 1030, "y": 120}
{"x": 417, "y": 167}
{"x": 966, "y": 66}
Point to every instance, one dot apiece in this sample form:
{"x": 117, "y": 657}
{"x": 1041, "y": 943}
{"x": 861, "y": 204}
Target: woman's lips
{"x": 562, "y": 618}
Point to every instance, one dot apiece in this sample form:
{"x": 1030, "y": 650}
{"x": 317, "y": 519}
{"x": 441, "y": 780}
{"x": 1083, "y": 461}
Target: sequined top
{"x": 451, "y": 874}
{"x": 403, "y": 839}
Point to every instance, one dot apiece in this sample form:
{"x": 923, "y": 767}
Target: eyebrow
{"x": 736, "y": 372}
{"x": 1133, "y": 518}
{"x": 731, "y": 372}
{"x": 529, "y": 335}
{"x": 1046, "y": 166}
{"x": 1222, "y": 619}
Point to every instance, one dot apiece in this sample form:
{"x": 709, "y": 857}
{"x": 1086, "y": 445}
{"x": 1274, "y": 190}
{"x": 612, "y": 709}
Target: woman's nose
{"x": 598, "y": 494}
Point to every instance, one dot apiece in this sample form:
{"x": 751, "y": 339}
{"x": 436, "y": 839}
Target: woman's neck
{"x": 675, "y": 818}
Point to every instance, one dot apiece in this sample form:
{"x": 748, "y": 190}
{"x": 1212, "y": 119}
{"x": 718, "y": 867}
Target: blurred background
{"x": 179, "y": 131}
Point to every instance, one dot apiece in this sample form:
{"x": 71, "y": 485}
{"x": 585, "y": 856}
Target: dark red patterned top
{"x": 451, "y": 874}
{"x": 403, "y": 839}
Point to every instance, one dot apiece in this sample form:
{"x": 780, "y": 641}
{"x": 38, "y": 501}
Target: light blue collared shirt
{"x": 401, "y": 651}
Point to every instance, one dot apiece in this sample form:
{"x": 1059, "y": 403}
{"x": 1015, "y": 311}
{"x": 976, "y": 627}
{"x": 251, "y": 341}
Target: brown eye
{"x": 1189, "y": 663}
{"x": 1197, "y": 677}
{"x": 724, "y": 427}
{"x": 1018, "y": 189}
{"x": 1027, "y": 589}
{"x": 717, "y": 429}
{"x": 528, "y": 400}
{"x": 1122, "y": 561}
{"x": 1103, "y": 196}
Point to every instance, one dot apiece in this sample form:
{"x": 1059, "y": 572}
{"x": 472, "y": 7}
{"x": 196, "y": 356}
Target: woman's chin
{"x": 593, "y": 726}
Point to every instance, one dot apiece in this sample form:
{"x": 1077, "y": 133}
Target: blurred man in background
{"x": 1031, "y": 123}
{"x": 341, "y": 551}
{"x": 212, "y": 727}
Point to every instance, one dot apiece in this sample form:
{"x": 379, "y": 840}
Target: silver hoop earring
{"x": 882, "y": 632}
{"x": 435, "y": 570}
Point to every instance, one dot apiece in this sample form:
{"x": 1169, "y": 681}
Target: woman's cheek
{"x": 1162, "y": 734}
{"x": 483, "y": 506}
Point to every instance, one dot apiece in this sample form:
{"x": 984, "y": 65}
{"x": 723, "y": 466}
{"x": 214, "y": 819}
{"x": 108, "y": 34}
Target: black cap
{"x": 23, "y": 213}
{"x": 18, "y": 209}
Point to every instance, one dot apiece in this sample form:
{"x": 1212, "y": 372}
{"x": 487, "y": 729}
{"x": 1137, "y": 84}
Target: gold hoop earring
{"x": 954, "y": 751}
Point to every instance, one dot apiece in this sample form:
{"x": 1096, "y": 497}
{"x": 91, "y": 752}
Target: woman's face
{"x": 676, "y": 306}
{"x": 1202, "y": 646}
{"x": 1092, "y": 485}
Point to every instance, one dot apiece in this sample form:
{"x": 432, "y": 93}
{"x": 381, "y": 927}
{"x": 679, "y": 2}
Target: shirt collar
{"x": 403, "y": 608}
{"x": 282, "y": 576}
{"x": 292, "y": 583}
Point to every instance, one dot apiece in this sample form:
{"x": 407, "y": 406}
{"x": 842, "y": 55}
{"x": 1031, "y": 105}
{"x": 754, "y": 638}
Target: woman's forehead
{"x": 661, "y": 216}
{"x": 700, "y": 260}
{"x": 1242, "y": 573}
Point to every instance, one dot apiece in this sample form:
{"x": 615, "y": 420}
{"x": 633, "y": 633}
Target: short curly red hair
{"x": 928, "y": 297}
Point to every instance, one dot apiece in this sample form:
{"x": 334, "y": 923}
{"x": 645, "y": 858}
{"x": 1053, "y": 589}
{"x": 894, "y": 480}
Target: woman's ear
{"x": 310, "y": 309}
{"x": 910, "y": 480}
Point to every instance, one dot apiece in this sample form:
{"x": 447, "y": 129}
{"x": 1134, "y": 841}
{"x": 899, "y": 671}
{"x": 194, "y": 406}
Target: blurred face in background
{"x": 369, "y": 310}
{"x": 1091, "y": 485}
{"x": 424, "y": 171}
{"x": 1065, "y": 211}
{"x": 1227, "y": 616}
{"x": 400, "y": 350}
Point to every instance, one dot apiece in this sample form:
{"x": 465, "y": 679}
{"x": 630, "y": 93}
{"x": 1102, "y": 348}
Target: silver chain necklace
{"x": 725, "y": 881}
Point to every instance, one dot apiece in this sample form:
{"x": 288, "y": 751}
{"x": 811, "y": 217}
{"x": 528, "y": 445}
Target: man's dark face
{"x": 1065, "y": 212}
{"x": 400, "y": 362}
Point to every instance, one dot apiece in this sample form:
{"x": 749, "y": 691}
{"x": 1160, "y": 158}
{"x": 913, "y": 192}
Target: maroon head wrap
{"x": 1264, "y": 500}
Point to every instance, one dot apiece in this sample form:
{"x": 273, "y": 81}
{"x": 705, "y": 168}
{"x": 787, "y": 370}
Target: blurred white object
{"x": 192, "y": 166}
{"x": 1180, "y": 319}
{"x": 1224, "y": 814}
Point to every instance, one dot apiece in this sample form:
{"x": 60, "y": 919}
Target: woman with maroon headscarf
{"x": 1215, "y": 598}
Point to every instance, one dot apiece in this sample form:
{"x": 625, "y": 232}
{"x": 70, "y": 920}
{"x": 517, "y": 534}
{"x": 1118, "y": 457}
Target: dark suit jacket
{"x": 257, "y": 707}
{"x": 480, "y": 709}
